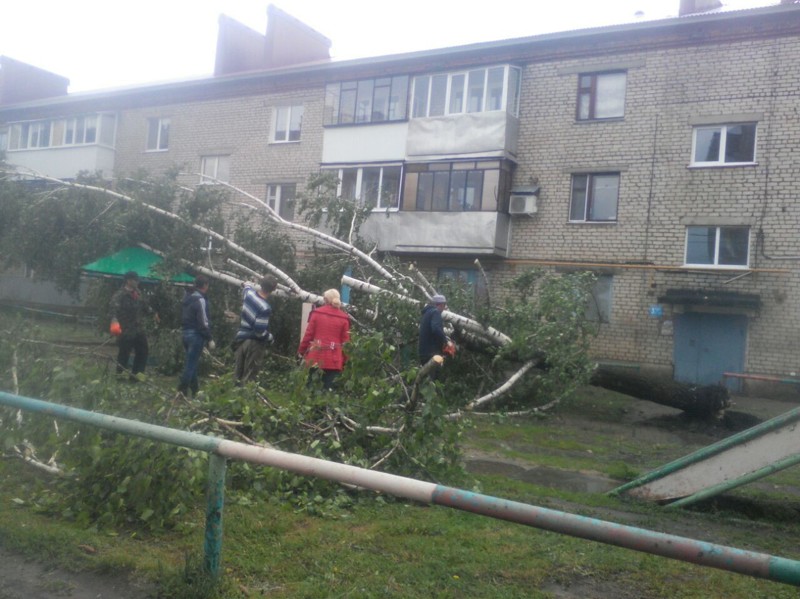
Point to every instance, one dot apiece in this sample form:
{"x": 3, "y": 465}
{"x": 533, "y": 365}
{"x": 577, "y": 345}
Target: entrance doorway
{"x": 706, "y": 345}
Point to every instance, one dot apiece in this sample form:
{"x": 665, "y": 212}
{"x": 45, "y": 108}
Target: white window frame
{"x": 379, "y": 206}
{"x": 589, "y": 196}
{"x": 103, "y": 126}
{"x": 276, "y": 198}
{"x": 214, "y": 168}
{"x": 88, "y": 123}
{"x": 163, "y": 125}
{"x": 287, "y": 112}
{"x": 723, "y": 141}
{"x": 717, "y": 241}
{"x": 507, "y": 98}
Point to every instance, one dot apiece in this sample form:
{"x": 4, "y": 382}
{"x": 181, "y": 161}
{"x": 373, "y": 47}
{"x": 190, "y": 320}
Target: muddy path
{"x": 23, "y": 578}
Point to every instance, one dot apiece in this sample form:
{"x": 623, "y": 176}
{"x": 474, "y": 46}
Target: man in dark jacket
{"x": 195, "y": 333}
{"x": 127, "y": 313}
{"x": 431, "y": 330}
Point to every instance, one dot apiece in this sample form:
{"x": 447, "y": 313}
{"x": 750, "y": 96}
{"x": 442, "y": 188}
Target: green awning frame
{"x": 143, "y": 262}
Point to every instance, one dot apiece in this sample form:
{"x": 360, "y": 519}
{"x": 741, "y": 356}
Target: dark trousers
{"x": 193, "y": 343}
{"x": 328, "y": 377}
{"x": 249, "y": 355}
{"x": 138, "y": 345}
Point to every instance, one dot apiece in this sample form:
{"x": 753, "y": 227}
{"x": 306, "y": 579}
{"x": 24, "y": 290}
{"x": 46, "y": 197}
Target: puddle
{"x": 566, "y": 480}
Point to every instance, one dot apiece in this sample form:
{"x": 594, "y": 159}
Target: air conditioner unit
{"x": 522, "y": 204}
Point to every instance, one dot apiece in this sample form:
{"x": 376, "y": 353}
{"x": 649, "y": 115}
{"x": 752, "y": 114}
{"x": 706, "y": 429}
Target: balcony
{"x": 65, "y": 162}
{"x": 470, "y": 233}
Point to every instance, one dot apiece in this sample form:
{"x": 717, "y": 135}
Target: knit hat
{"x": 438, "y": 299}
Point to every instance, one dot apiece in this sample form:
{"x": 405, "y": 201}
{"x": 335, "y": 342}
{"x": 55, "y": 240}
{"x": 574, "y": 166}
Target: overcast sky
{"x": 107, "y": 43}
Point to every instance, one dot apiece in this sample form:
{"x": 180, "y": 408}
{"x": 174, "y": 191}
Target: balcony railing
{"x": 473, "y": 233}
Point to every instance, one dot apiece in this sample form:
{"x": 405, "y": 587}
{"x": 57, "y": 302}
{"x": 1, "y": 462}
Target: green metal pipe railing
{"x": 711, "y": 450}
{"x": 706, "y": 554}
{"x": 714, "y": 490}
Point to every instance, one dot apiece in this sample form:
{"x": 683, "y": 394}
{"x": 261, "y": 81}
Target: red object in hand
{"x": 115, "y": 329}
{"x": 449, "y": 349}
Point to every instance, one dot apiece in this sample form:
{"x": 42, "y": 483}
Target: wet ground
{"x": 27, "y": 579}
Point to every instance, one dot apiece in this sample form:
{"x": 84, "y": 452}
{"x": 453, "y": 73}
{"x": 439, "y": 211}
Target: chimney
{"x": 690, "y": 7}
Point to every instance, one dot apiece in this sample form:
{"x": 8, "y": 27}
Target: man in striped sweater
{"x": 253, "y": 335}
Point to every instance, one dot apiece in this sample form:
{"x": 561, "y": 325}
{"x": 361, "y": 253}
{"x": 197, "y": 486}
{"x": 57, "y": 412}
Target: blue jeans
{"x": 193, "y": 343}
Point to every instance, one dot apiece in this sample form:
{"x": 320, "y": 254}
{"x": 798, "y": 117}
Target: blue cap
{"x": 438, "y": 299}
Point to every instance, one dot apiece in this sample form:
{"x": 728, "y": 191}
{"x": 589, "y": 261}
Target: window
{"x": 3, "y": 140}
{"x": 376, "y": 186}
{"x": 723, "y": 247}
{"x": 477, "y": 90}
{"x": 80, "y": 130}
{"x": 366, "y": 101}
{"x": 450, "y": 187}
{"x": 724, "y": 144}
{"x": 457, "y": 186}
{"x": 599, "y": 306}
{"x": 39, "y": 135}
{"x": 288, "y": 120}
{"x": 466, "y": 278}
{"x": 601, "y": 96}
{"x": 157, "y": 134}
{"x": 281, "y": 198}
{"x": 594, "y": 197}
{"x": 215, "y": 168}
{"x": 30, "y": 135}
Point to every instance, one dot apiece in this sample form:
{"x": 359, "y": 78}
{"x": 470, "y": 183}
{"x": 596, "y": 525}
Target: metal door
{"x": 706, "y": 345}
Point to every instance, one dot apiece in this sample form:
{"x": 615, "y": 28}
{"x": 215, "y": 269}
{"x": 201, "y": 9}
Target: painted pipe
{"x": 754, "y": 564}
{"x": 759, "y": 565}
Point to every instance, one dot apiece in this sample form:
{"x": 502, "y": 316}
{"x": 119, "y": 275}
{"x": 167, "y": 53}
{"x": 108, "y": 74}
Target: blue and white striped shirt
{"x": 254, "y": 319}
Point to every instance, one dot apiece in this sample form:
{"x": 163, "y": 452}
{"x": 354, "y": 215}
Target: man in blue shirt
{"x": 195, "y": 333}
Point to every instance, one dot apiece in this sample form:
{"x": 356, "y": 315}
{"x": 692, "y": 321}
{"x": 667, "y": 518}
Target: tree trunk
{"x": 701, "y": 401}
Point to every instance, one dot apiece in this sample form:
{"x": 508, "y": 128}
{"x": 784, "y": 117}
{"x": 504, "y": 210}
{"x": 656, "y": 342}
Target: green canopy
{"x": 143, "y": 262}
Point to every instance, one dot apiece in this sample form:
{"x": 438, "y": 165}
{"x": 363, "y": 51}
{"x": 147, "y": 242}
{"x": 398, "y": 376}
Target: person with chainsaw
{"x": 127, "y": 325}
{"x": 432, "y": 338}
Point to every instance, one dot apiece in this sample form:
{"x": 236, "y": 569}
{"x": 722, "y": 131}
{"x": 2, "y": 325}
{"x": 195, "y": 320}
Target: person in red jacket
{"x": 327, "y": 331}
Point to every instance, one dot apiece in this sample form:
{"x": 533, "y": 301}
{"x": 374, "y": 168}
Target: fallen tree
{"x": 696, "y": 400}
{"x": 523, "y": 353}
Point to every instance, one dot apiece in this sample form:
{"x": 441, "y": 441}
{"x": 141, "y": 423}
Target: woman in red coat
{"x": 328, "y": 329}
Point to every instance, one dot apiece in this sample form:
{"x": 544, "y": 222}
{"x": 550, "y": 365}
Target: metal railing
{"x": 759, "y": 565}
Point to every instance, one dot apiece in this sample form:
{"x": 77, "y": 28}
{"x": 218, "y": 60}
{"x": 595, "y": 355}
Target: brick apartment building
{"x": 661, "y": 155}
